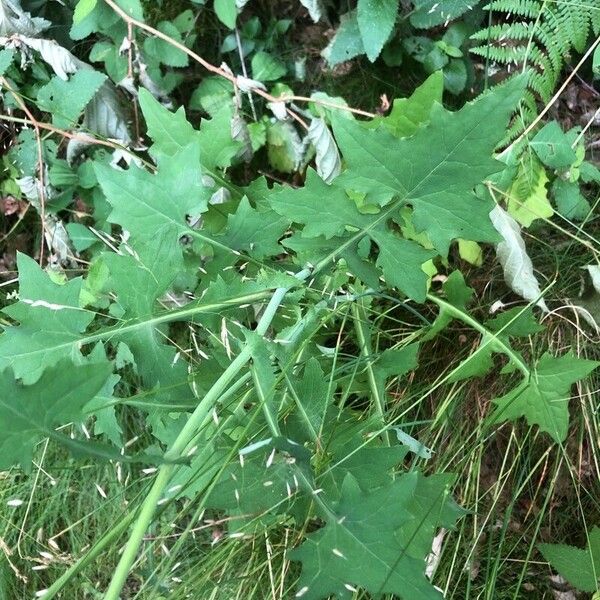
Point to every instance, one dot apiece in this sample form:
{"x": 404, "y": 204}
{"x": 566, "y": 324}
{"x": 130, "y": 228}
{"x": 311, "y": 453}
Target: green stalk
{"x": 180, "y": 445}
{"x": 494, "y": 340}
{"x": 181, "y": 314}
{"x": 359, "y": 316}
{"x": 105, "y": 541}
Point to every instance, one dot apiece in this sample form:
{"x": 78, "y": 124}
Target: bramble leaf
{"x": 67, "y": 99}
{"x": 376, "y": 19}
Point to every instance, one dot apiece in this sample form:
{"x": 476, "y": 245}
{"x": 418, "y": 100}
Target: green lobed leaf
{"x": 30, "y": 413}
{"x": 51, "y": 321}
{"x": 154, "y": 207}
{"x": 402, "y": 262}
{"x": 377, "y": 540}
{"x": 437, "y": 168}
{"x": 543, "y": 399}
{"x": 516, "y": 322}
{"x": 408, "y": 114}
{"x": 252, "y": 232}
{"x": 323, "y": 209}
{"x": 171, "y": 132}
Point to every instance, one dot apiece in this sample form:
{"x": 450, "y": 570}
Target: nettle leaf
{"x": 30, "y": 413}
{"x": 67, "y": 99}
{"x": 393, "y": 525}
{"x": 436, "y": 169}
{"x": 579, "y": 566}
{"x": 376, "y": 19}
{"x": 51, "y": 321}
{"x": 543, "y": 398}
{"x": 347, "y": 41}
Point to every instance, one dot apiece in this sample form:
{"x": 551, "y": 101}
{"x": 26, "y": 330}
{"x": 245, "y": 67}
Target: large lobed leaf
{"x": 435, "y": 171}
{"x": 377, "y": 540}
{"x": 30, "y": 413}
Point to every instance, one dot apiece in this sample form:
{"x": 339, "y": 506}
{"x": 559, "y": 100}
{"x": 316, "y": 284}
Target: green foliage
{"x": 392, "y": 525}
{"x": 256, "y": 339}
{"x": 579, "y": 566}
{"x": 375, "y": 28}
{"x": 539, "y": 37}
{"x": 376, "y": 19}
{"x": 30, "y": 413}
{"x": 543, "y": 398}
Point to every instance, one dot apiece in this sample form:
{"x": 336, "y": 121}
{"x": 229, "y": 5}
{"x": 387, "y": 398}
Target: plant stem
{"x": 90, "y": 555}
{"x": 361, "y": 326}
{"x": 492, "y": 338}
{"x": 179, "y": 446}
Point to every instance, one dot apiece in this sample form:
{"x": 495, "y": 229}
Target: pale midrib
{"x": 168, "y": 317}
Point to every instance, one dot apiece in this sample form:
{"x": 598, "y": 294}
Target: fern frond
{"x": 540, "y": 35}
{"x": 524, "y": 8}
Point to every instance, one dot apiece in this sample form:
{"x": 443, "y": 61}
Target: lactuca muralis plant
{"x": 206, "y": 300}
